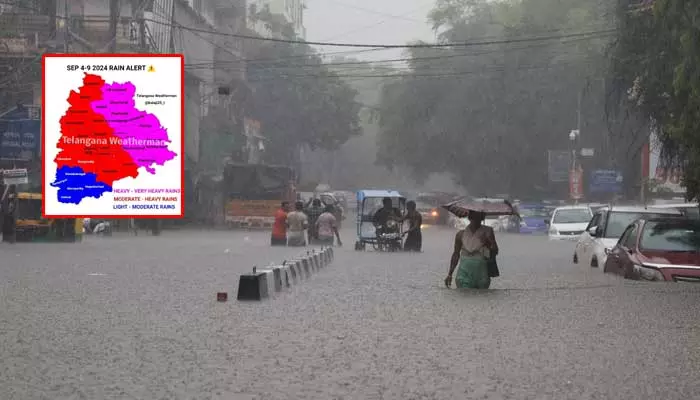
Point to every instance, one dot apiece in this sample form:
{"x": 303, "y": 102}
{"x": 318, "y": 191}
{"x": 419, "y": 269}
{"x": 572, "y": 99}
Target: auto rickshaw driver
{"x": 385, "y": 214}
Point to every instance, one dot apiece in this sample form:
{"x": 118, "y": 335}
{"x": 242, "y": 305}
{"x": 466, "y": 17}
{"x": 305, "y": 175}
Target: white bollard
{"x": 269, "y": 279}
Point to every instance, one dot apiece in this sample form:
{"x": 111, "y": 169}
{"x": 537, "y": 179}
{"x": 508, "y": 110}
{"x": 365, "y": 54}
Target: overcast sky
{"x": 368, "y": 21}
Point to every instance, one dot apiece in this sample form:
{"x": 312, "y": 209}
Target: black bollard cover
{"x": 295, "y": 271}
{"x": 277, "y": 274}
{"x": 253, "y": 287}
{"x": 306, "y": 265}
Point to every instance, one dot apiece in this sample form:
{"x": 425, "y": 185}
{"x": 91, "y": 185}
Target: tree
{"x": 657, "y": 71}
{"x": 298, "y": 100}
{"x": 489, "y": 113}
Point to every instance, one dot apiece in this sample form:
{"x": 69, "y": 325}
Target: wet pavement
{"x": 137, "y": 318}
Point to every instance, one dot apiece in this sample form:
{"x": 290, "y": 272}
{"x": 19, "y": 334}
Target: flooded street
{"x": 137, "y": 318}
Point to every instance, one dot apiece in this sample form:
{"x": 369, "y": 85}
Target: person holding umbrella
{"x": 474, "y": 248}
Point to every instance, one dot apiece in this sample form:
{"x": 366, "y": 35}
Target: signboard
{"x": 587, "y": 152}
{"x": 576, "y": 183}
{"x": 252, "y": 208}
{"x": 20, "y": 135}
{"x": 558, "y": 165}
{"x": 606, "y": 181}
{"x": 15, "y": 176}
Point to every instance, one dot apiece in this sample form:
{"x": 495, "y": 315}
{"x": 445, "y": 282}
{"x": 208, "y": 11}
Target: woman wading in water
{"x": 474, "y": 247}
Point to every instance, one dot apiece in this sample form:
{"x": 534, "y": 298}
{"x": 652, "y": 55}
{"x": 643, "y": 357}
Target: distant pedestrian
{"x": 313, "y": 211}
{"x": 327, "y": 228}
{"x": 414, "y": 236}
{"x": 279, "y": 228}
{"x": 297, "y": 222}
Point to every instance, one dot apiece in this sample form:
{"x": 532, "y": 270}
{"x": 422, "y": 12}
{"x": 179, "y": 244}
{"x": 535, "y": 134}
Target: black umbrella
{"x": 462, "y": 207}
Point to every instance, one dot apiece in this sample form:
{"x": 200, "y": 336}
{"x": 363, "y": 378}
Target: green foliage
{"x": 298, "y": 100}
{"x": 489, "y": 113}
{"x": 658, "y": 60}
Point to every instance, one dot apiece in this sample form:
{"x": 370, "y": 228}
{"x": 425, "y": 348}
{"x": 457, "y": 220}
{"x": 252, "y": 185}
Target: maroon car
{"x": 663, "y": 249}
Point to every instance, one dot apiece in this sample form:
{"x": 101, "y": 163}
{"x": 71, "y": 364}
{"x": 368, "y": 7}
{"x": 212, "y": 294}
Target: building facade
{"x": 291, "y": 10}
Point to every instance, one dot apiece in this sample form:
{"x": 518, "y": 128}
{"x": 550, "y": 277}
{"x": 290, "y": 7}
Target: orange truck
{"x": 254, "y": 192}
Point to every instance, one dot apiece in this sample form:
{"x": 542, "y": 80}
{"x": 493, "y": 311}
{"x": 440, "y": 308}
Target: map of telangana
{"x": 105, "y": 138}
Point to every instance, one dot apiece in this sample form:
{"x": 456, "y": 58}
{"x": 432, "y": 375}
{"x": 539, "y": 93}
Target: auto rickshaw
{"x": 368, "y": 203}
{"x": 30, "y": 226}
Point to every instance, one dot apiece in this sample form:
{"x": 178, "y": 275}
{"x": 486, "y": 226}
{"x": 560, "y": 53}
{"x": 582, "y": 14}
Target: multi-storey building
{"x": 291, "y": 10}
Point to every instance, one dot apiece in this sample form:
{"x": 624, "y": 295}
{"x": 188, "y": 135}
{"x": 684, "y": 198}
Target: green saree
{"x": 473, "y": 272}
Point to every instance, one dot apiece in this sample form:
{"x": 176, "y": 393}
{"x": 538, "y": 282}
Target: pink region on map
{"x": 133, "y": 126}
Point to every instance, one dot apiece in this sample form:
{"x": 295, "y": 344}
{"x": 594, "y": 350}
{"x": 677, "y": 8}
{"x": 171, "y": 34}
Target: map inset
{"x": 105, "y": 138}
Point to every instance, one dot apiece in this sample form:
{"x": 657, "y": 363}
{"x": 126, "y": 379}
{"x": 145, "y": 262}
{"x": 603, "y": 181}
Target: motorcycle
{"x": 97, "y": 227}
{"x": 389, "y": 237}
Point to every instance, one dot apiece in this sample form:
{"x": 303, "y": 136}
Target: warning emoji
{"x": 151, "y": 68}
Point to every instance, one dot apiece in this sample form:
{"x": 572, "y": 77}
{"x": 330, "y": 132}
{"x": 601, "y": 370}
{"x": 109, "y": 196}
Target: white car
{"x": 606, "y": 227}
{"x": 493, "y": 222}
{"x": 568, "y": 222}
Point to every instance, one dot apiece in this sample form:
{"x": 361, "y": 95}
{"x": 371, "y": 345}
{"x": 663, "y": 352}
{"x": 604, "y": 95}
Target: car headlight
{"x": 648, "y": 273}
{"x": 553, "y": 231}
{"x": 434, "y": 213}
{"x": 523, "y": 224}
{"x": 607, "y": 251}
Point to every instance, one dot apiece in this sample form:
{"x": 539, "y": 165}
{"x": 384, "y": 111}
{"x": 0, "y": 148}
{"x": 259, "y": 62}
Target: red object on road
{"x": 663, "y": 249}
{"x": 222, "y": 296}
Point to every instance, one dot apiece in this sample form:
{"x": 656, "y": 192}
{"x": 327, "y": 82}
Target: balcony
{"x": 95, "y": 31}
{"x": 23, "y": 34}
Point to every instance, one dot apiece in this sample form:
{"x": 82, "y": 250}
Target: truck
{"x": 253, "y": 193}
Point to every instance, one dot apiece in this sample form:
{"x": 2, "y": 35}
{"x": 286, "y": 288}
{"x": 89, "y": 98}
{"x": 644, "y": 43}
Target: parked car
{"x": 429, "y": 212}
{"x": 493, "y": 222}
{"x": 660, "y": 249}
{"x": 532, "y": 217}
{"x": 568, "y": 222}
{"x": 606, "y": 227}
{"x": 436, "y": 200}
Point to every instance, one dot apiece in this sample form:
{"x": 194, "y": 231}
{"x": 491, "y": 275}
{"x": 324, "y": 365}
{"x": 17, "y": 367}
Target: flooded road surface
{"x": 137, "y": 318}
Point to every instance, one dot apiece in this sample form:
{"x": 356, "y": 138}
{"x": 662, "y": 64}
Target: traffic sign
{"x": 606, "y": 181}
{"x": 17, "y": 176}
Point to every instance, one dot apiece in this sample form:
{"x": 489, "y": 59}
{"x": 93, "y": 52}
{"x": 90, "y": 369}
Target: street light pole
{"x": 574, "y": 173}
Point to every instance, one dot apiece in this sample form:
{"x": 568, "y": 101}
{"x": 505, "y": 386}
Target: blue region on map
{"x": 74, "y": 185}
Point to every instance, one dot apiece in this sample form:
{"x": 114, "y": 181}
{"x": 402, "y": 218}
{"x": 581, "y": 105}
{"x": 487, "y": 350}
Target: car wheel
{"x": 594, "y": 262}
{"x": 575, "y": 258}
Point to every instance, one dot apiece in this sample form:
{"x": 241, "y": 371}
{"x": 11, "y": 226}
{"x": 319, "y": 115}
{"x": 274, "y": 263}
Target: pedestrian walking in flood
{"x": 474, "y": 248}
{"x": 414, "y": 236}
{"x": 279, "y": 228}
{"x": 297, "y": 222}
{"x": 313, "y": 210}
{"x": 327, "y": 228}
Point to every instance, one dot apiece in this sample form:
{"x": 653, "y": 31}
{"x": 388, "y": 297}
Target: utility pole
{"x": 66, "y": 29}
{"x": 113, "y": 19}
{"x": 52, "y": 19}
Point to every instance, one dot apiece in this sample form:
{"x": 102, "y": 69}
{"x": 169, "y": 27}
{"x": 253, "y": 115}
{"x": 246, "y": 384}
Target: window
{"x": 629, "y": 241}
{"x": 671, "y": 236}
{"x": 595, "y": 221}
{"x": 573, "y": 216}
{"x": 533, "y": 212}
{"x": 29, "y": 209}
{"x": 619, "y": 220}
{"x": 691, "y": 212}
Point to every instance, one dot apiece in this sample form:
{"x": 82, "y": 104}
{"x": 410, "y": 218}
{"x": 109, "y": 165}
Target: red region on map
{"x": 85, "y": 137}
